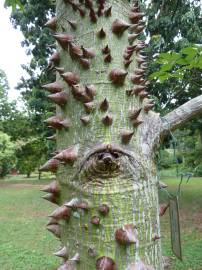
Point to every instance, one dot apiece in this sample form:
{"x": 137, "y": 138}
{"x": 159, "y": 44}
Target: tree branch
{"x": 178, "y": 117}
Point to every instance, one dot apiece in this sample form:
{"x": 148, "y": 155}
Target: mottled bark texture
{"x": 106, "y": 189}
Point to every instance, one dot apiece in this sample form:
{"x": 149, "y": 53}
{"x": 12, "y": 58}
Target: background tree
{"x": 30, "y": 155}
{"x": 7, "y": 154}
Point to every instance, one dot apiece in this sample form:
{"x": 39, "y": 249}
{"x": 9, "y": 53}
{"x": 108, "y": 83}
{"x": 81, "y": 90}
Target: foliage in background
{"x": 14, "y": 4}
{"x": 7, "y": 154}
{"x": 173, "y": 26}
{"x": 30, "y": 155}
{"x": 18, "y": 132}
{"x": 176, "y": 65}
{"x": 190, "y": 149}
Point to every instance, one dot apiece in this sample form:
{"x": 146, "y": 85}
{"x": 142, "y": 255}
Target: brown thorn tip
{"x": 143, "y": 94}
{"x": 50, "y": 166}
{"x": 62, "y": 253}
{"x": 52, "y": 221}
{"x": 62, "y": 212}
{"x": 102, "y": 33}
{"x": 52, "y": 188}
{"x": 162, "y": 209}
{"x": 68, "y": 155}
{"x": 127, "y": 63}
{"x": 95, "y": 220}
{"x": 104, "y": 105}
{"x": 89, "y": 107}
{"x": 132, "y": 37}
{"x": 149, "y": 107}
{"x": 119, "y": 26}
{"x": 63, "y": 39}
{"x": 133, "y": 114}
{"x": 85, "y": 63}
{"x": 88, "y": 53}
{"x": 108, "y": 58}
{"x": 54, "y": 229}
{"x": 108, "y": 12}
{"x": 135, "y": 17}
{"x": 126, "y": 235}
{"x": 90, "y": 90}
{"x": 71, "y": 78}
{"x": 76, "y": 258}
{"x": 54, "y": 87}
{"x": 106, "y": 50}
{"x": 103, "y": 209}
{"x": 126, "y": 136}
{"x": 52, "y": 24}
{"x": 60, "y": 98}
{"x": 85, "y": 120}
{"x": 136, "y": 79}
{"x": 51, "y": 197}
{"x": 55, "y": 58}
{"x": 105, "y": 263}
{"x": 107, "y": 120}
{"x": 117, "y": 76}
{"x": 93, "y": 16}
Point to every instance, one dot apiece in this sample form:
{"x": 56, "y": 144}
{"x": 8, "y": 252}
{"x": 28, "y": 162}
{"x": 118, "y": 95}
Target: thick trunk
{"x": 107, "y": 179}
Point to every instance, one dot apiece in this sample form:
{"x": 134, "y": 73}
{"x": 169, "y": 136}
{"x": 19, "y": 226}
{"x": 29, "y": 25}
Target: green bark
{"x": 108, "y": 170}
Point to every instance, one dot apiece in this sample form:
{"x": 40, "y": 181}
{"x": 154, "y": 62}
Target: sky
{"x": 12, "y": 55}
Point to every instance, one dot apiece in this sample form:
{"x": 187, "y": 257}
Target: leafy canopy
{"x": 175, "y": 65}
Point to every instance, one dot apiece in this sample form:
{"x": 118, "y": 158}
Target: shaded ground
{"x": 25, "y": 244}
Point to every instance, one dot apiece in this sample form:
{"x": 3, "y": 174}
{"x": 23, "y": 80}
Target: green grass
{"x": 26, "y": 245}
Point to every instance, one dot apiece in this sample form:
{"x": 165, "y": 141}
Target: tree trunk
{"x": 107, "y": 185}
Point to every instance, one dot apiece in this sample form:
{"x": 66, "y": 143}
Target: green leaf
{"x": 14, "y": 4}
{"x": 156, "y": 74}
{"x": 189, "y": 51}
{"x": 182, "y": 61}
{"x": 166, "y": 67}
{"x": 164, "y": 77}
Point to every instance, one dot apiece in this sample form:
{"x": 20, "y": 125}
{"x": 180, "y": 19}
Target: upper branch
{"x": 178, "y": 117}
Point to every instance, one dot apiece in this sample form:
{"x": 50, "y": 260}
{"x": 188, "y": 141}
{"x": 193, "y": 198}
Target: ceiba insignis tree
{"x": 106, "y": 188}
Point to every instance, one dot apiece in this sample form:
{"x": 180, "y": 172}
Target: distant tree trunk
{"x": 107, "y": 185}
{"x": 28, "y": 174}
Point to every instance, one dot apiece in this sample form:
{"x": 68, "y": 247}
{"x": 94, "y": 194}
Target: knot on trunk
{"x": 102, "y": 164}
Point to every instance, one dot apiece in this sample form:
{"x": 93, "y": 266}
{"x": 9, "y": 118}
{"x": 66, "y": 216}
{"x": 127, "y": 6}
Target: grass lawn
{"x": 26, "y": 245}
